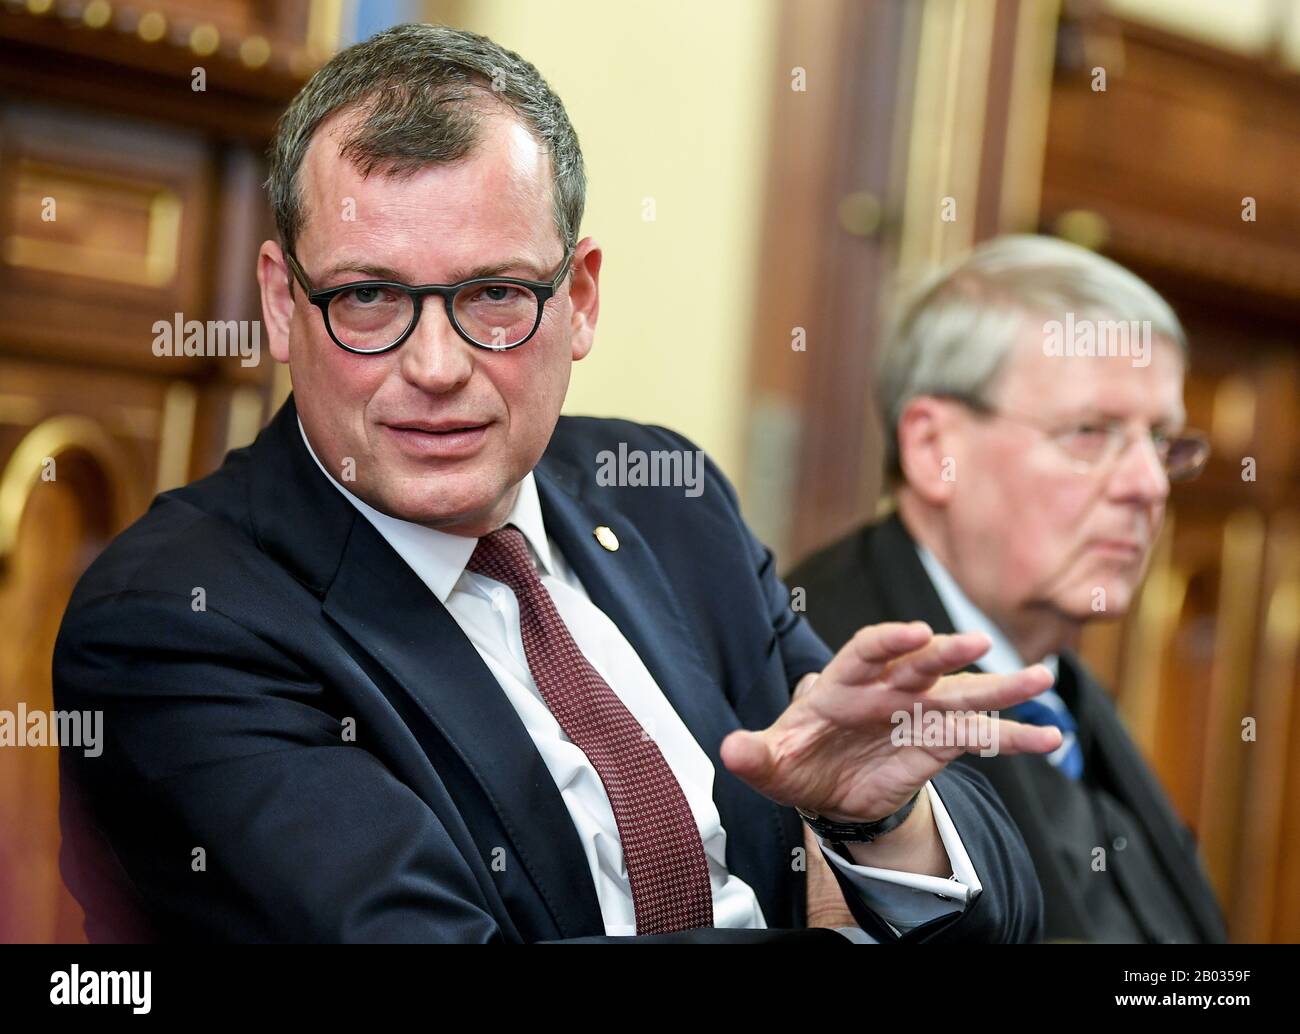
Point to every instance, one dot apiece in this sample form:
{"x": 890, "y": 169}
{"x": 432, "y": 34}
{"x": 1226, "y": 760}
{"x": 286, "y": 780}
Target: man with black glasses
{"x": 444, "y": 685}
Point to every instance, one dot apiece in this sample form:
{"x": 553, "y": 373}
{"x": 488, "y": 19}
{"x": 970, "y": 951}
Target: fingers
{"x": 963, "y": 699}
{"x": 1020, "y": 738}
{"x": 985, "y": 692}
{"x": 919, "y": 670}
{"x": 973, "y": 732}
{"x": 865, "y": 656}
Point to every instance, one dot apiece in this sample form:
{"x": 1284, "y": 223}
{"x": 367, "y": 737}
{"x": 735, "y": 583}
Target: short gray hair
{"x": 421, "y": 91}
{"x": 953, "y": 333}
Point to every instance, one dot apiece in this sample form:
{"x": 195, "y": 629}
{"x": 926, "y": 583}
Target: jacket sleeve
{"x": 226, "y": 805}
{"x": 1010, "y": 908}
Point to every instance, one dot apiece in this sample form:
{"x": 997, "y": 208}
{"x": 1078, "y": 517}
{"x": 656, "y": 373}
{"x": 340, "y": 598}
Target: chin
{"x": 441, "y": 508}
{"x": 1118, "y": 598}
{"x": 435, "y": 514}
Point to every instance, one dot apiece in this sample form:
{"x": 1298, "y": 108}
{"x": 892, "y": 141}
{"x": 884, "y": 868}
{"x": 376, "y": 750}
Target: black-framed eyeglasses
{"x": 1096, "y": 444}
{"x": 368, "y": 317}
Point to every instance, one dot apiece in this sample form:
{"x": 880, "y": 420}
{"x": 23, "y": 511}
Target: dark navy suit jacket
{"x": 224, "y": 723}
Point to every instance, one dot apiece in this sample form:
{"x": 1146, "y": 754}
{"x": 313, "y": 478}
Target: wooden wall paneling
{"x": 1154, "y": 171}
{"x": 1168, "y": 641}
{"x": 1286, "y": 915}
{"x": 997, "y": 120}
{"x": 160, "y": 211}
{"x": 142, "y": 60}
{"x": 821, "y": 263}
{"x": 928, "y": 98}
{"x": 1224, "y": 760}
{"x": 1133, "y": 661}
{"x": 236, "y": 398}
{"x": 78, "y": 461}
{"x": 1263, "y": 842}
{"x": 126, "y": 245}
{"x": 1167, "y": 154}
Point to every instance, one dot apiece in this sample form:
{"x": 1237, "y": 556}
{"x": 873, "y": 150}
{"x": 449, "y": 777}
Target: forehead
{"x": 1136, "y": 383}
{"x": 496, "y": 199}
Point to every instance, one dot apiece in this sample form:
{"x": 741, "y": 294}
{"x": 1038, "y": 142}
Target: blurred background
{"x": 764, "y": 175}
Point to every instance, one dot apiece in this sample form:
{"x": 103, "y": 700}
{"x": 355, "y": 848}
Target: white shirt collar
{"x": 1003, "y": 658}
{"x": 439, "y": 558}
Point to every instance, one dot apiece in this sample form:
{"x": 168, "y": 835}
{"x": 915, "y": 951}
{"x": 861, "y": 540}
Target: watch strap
{"x": 858, "y": 832}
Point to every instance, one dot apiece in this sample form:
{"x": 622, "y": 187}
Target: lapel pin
{"x": 606, "y": 538}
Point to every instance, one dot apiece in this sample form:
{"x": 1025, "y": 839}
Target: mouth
{"x": 442, "y": 439}
{"x": 1124, "y": 549}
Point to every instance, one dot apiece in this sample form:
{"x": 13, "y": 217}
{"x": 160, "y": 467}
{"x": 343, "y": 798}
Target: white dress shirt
{"x": 1003, "y": 658}
{"x": 488, "y": 614}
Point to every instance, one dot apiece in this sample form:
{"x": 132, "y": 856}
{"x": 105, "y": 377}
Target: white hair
{"x": 953, "y": 333}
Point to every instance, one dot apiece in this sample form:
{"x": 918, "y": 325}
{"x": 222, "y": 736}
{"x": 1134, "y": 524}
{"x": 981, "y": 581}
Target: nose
{"x": 1140, "y": 475}
{"x": 435, "y": 358}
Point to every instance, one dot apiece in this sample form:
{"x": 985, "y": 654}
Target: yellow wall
{"x": 670, "y": 101}
{"x": 1249, "y": 26}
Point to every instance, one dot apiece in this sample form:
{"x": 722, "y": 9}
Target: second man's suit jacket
{"x": 439, "y": 821}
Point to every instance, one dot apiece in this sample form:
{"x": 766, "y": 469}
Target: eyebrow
{"x": 388, "y": 273}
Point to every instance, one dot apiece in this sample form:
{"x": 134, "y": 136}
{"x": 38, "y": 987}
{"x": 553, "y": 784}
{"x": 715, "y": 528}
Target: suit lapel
{"x": 631, "y": 587}
{"x": 906, "y": 586}
{"x": 381, "y": 603}
{"x": 371, "y": 593}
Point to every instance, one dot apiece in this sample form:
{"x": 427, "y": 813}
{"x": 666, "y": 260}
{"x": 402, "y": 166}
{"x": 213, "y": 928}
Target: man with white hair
{"x": 1032, "y": 401}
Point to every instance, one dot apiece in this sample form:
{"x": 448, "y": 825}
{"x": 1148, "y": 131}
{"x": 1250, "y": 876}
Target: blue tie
{"x": 1049, "y": 709}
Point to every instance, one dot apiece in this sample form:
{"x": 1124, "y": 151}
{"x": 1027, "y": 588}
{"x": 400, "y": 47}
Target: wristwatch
{"x": 857, "y": 832}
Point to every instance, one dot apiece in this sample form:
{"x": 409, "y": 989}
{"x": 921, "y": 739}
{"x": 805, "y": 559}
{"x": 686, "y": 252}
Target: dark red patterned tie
{"x": 661, "y": 843}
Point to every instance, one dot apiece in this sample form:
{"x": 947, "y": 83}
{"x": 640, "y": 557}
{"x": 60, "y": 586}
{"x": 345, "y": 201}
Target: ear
{"x": 277, "y": 303}
{"x": 584, "y": 297}
{"x": 928, "y": 441}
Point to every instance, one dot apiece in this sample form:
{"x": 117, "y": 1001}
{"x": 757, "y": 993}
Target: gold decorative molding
{"x": 1083, "y": 227}
{"x": 300, "y": 56}
{"x": 947, "y": 131}
{"x": 1232, "y": 426}
{"x": 152, "y": 26}
{"x": 1259, "y": 847}
{"x": 1163, "y": 595}
{"x": 176, "y": 436}
{"x": 49, "y": 440}
{"x": 281, "y": 385}
{"x": 1240, "y": 571}
{"x": 1027, "y": 109}
{"x": 245, "y": 417}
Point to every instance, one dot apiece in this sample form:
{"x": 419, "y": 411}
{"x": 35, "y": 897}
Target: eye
{"x": 1087, "y": 441}
{"x": 1090, "y": 431}
{"x": 497, "y": 294}
{"x": 366, "y": 296}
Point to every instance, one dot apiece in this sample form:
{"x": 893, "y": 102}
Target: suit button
{"x": 1119, "y": 843}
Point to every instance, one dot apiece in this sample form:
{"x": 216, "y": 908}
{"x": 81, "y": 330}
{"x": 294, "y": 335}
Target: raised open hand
{"x": 837, "y": 749}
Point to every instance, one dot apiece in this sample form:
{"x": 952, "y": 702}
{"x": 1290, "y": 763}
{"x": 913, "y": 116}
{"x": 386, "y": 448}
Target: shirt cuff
{"x": 905, "y": 900}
